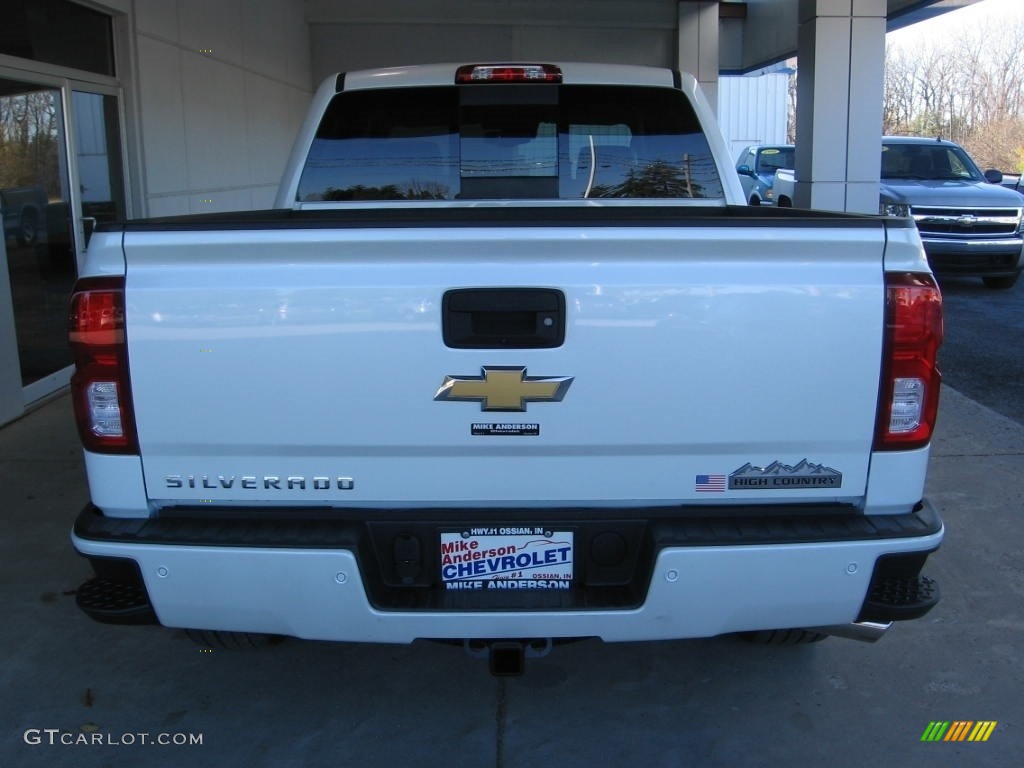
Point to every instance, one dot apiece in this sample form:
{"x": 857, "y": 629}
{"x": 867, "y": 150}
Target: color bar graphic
{"x": 982, "y": 730}
{"x": 935, "y": 731}
{"x": 959, "y": 730}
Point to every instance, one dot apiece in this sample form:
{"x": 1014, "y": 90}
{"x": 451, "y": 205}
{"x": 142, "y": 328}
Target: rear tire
{"x": 783, "y": 637}
{"x": 1002, "y": 283}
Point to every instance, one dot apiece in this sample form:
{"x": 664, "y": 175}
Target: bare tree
{"x": 969, "y": 88}
{"x": 29, "y": 141}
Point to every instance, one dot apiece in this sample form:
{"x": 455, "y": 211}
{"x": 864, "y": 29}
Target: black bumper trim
{"x": 675, "y": 527}
{"x": 400, "y": 560}
{"x": 898, "y": 591}
{"x": 115, "y": 602}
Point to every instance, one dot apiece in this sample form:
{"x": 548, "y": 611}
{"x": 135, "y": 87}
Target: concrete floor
{"x": 716, "y": 702}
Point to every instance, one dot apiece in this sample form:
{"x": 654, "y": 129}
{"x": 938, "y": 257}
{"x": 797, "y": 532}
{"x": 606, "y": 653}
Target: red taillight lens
{"x": 508, "y": 73}
{"x": 99, "y": 386}
{"x": 909, "y": 396}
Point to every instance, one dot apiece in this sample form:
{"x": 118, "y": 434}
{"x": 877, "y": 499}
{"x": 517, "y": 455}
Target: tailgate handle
{"x": 503, "y": 318}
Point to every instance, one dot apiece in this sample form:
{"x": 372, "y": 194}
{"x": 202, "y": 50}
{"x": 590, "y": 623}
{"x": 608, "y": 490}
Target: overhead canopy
{"x": 761, "y": 32}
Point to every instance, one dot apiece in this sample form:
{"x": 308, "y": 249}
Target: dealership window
{"x": 57, "y": 32}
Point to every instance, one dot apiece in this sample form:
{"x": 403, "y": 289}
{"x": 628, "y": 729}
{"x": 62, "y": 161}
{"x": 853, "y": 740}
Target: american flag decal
{"x": 710, "y": 484}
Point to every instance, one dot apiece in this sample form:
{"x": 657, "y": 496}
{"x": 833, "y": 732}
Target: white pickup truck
{"x": 509, "y": 363}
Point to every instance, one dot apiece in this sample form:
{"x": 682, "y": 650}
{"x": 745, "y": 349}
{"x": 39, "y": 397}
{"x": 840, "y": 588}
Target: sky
{"x": 948, "y": 24}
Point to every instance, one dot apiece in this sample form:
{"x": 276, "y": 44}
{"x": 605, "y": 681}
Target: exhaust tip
{"x": 865, "y": 631}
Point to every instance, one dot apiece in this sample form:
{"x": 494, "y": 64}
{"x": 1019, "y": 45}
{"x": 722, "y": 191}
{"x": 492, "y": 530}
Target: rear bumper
{"x": 694, "y": 578}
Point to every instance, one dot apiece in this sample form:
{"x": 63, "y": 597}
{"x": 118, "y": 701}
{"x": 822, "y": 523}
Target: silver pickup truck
{"x": 969, "y": 224}
{"x": 510, "y": 363}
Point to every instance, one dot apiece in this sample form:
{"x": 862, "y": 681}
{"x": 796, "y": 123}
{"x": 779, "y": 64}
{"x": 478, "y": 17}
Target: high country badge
{"x": 779, "y": 477}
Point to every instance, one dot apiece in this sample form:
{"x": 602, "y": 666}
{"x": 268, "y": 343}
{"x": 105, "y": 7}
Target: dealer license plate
{"x": 507, "y": 557}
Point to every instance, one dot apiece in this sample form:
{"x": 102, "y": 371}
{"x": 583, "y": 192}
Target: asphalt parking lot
{"x": 981, "y": 355}
{"x": 715, "y": 702}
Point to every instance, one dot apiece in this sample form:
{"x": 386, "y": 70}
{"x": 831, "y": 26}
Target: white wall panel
{"x": 213, "y": 27}
{"x": 222, "y": 89}
{"x": 653, "y": 47}
{"x": 608, "y": 13}
{"x": 168, "y": 205}
{"x": 223, "y": 200}
{"x": 158, "y": 18}
{"x": 163, "y": 116}
{"x": 346, "y": 47}
{"x": 356, "y": 35}
{"x": 275, "y": 42}
{"x": 273, "y": 116}
{"x": 263, "y": 197}
{"x": 217, "y": 147}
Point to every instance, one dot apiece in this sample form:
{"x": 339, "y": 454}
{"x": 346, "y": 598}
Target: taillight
{"x": 508, "y": 73}
{"x": 909, "y": 396}
{"x": 99, "y": 386}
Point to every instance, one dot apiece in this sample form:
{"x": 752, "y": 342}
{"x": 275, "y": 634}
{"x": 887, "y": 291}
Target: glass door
{"x": 60, "y": 173}
{"x": 97, "y": 160}
{"x": 36, "y": 202}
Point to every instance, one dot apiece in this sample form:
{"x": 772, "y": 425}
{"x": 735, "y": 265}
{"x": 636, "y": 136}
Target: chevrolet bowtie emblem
{"x": 503, "y": 388}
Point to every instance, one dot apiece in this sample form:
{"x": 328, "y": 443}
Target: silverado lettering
{"x": 251, "y": 482}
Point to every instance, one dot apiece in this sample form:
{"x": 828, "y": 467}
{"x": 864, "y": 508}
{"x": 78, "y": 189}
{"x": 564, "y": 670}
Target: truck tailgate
{"x": 732, "y": 363}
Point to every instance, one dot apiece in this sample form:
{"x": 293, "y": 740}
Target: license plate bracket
{"x": 507, "y": 558}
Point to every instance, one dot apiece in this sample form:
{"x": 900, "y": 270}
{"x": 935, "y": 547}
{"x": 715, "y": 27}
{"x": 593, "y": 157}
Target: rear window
{"x": 773, "y": 158}
{"x": 479, "y": 142}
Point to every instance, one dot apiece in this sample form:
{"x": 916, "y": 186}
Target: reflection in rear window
{"x": 499, "y": 141}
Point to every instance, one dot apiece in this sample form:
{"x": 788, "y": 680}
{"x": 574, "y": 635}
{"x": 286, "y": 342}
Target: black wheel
{"x": 785, "y": 202}
{"x": 755, "y": 200}
{"x": 1002, "y": 283}
{"x": 783, "y": 637}
{"x": 28, "y": 232}
{"x": 231, "y": 641}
